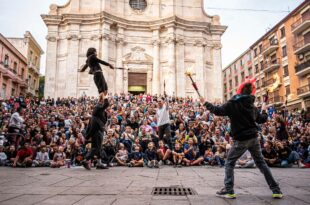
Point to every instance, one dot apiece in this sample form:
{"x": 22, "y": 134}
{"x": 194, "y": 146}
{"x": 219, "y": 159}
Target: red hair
{"x": 247, "y": 81}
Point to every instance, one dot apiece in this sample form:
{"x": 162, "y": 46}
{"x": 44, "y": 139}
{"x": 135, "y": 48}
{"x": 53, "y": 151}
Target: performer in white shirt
{"x": 163, "y": 121}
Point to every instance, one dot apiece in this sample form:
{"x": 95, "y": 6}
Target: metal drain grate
{"x": 175, "y": 191}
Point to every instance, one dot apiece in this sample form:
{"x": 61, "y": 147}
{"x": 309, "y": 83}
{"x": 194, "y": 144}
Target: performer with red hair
{"x": 244, "y": 118}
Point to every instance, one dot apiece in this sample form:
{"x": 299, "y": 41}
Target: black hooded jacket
{"x": 243, "y": 114}
{"x": 93, "y": 63}
{"x": 98, "y": 120}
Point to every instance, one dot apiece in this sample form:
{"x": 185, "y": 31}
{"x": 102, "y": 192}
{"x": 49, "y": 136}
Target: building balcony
{"x": 269, "y": 82}
{"x": 272, "y": 65}
{"x": 302, "y": 46}
{"x": 270, "y": 47}
{"x": 304, "y": 91}
{"x": 276, "y": 100}
{"x": 301, "y": 24}
{"x": 303, "y": 68}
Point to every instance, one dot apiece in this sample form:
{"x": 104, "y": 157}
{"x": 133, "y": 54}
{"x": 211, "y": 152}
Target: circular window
{"x": 139, "y": 5}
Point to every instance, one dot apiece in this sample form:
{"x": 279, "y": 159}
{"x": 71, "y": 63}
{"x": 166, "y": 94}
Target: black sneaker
{"x": 85, "y": 164}
{"x": 226, "y": 194}
{"x": 277, "y": 194}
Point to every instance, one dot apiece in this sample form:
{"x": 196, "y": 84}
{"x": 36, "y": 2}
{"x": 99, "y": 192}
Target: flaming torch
{"x": 189, "y": 73}
{"x": 274, "y": 86}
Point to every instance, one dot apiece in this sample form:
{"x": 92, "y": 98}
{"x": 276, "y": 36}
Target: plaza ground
{"x": 122, "y": 185}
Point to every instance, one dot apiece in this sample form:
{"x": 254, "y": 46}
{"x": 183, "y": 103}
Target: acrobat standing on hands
{"x": 93, "y": 63}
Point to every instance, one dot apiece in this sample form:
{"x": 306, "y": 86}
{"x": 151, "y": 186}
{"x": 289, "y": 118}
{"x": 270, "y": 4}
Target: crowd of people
{"x": 51, "y": 133}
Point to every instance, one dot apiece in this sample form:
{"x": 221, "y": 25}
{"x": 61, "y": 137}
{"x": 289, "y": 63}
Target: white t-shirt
{"x": 162, "y": 116}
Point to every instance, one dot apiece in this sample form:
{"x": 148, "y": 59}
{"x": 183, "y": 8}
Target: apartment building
{"x": 13, "y": 70}
{"x": 30, "y": 48}
{"x": 279, "y": 60}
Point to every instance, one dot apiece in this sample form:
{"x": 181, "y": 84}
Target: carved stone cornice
{"x": 180, "y": 41}
{"x": 51, "y": 38}
{"x": 73, "y": 37}
{"x": 156, "y": 42}
{"x": 217, "y": 45}
{"x": 170, "y": 40}
{"x": 106, "y": 37}
{"x": 199, "y": 43}
{"x": 95, "y": 37}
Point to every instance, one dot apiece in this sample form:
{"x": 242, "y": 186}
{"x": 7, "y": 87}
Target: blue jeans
{"x": 219, "y": 161}
{"x": 293, "y": 157}
{"x": 237, "y": 150}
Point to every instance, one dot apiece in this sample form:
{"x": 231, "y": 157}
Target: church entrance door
{"x": 137, "y": 83}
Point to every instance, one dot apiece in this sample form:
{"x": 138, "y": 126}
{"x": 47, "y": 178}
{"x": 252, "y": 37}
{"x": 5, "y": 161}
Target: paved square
{"x": 121, "y": 185}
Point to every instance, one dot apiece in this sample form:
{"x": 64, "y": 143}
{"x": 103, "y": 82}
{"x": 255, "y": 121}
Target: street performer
{"x": 94, "y": 132}
{"x": 244, "y": 117}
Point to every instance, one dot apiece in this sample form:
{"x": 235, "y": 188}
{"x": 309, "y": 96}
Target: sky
{"x": 244, "y": 27}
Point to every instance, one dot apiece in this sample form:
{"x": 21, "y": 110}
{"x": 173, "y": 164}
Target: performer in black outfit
{"x": 95, "y": 131}
{"x": 93, "y": 63}
{"x": 244, "y": 117}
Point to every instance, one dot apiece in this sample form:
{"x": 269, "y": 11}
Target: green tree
{"x": 41, "y": 86}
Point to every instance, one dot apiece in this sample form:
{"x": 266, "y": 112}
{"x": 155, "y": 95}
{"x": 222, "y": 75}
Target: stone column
{"x": 105, "y": 55}
{"x": 51, "y": 63}
{"x": 119, "y": 61}
{"x": 200, "y": 67}
{"x": 171, "y": 74}
{"x": 72, "y": 61}
{"x": 217, "y": 71}
{"x": 180, "y": 68}
{"x": 156, "y": 63}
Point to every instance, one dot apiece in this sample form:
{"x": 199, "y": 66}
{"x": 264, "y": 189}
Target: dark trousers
{"x": 96, "y": 149}
{"x": 164, "y": 133}
{"x": 238, "y": 148}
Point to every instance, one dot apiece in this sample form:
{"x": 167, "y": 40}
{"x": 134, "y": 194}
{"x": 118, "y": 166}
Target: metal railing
{"x": 273, "y": 42}
{"x": 302, "y": 66}
{"x": 301, "y": 43}
{"x": 272, "y": 63}
{"x": 303, "y": 89}
{"x": 300, "y": 21}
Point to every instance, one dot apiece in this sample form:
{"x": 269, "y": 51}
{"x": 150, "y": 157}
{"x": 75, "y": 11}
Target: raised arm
{"x": 83, "y": 68}
{"x": 104, "y": 63}
{"x": 217, "y": 110}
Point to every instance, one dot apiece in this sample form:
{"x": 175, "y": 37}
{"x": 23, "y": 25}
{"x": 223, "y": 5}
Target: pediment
{"x": 137, "y": 54}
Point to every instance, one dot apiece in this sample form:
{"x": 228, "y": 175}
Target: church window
{"x": 138, "y": 4}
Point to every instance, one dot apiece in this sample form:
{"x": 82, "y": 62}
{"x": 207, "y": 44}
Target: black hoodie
{"x": 243, "y": 116}
{"x": 98, "y": 120}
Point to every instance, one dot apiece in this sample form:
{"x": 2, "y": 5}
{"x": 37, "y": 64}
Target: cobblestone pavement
{"x": 121, "y": 185}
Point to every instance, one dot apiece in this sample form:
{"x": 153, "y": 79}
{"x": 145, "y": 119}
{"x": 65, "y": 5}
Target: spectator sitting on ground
{"x": 164, "y": 153}
{"x": 245, "y": 161}
{"x": 122, "y": 155}
{"x": 24, "y": 156}
{"x": 191, "y": 153}
{"x": 270, "y": 155}
{"x": 136, "y": 158}
{"x": 287, "y": 156}
{"x": 151, "y": 156}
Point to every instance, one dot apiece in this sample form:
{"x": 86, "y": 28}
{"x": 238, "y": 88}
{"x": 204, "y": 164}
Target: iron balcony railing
{"x": 303, "y": 89}
{"x": 300, "y": 21}
{"x": 302, "y": 66}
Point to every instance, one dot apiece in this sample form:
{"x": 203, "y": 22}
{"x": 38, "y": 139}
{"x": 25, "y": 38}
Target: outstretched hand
{"x": 111, "y": 66}
{"x": 202, "y": 100}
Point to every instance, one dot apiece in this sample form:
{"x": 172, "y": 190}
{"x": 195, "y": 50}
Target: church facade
{"x": 155, "y": 41}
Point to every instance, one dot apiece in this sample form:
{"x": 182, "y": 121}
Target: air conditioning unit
{"x": 301, "y": 56}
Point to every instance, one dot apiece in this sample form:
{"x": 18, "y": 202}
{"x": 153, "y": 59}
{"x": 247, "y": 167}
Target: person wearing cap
{"x": 244, "y": 118}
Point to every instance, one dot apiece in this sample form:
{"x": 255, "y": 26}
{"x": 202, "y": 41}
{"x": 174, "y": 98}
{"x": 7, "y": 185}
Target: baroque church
{"x": 155, "y": 41}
